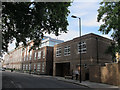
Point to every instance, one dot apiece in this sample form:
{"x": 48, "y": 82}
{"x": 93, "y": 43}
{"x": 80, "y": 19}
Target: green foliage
{"x": 109, "y": 13}
{"x": 112, "y": 50}
{"x": 22, "y": 20}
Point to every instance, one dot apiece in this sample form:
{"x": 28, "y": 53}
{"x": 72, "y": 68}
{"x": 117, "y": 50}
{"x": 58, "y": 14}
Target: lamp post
{"x": 80, "y": 42}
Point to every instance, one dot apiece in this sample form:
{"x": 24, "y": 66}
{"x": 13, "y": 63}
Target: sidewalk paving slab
{"x": 88, "y": 83}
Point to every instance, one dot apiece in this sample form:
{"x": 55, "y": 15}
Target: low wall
{"x": 94, "y": 73}
{"x": 83, "y": 71}
{"x": 109, "y": 74}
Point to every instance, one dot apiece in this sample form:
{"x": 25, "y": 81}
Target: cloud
{"x": 92, "y": 22}
{"x": 87, "y": 11}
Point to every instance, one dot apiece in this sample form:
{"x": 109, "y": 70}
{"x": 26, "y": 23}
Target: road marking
{"x": 19, "y": 86}
{"x": 16, "y": 85}
{"x": 13, "y": 83}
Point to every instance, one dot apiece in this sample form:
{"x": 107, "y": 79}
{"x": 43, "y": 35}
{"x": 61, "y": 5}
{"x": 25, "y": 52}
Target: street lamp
{"x": 80, "y": 42}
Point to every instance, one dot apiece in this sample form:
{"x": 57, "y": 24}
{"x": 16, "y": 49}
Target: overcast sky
{"x": 87, "y": 11}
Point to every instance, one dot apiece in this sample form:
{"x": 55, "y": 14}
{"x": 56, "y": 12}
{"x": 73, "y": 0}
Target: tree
{"x": 22, "y": 20}
{"x": 109, "y": 13}
{"x": 112, "y": 50}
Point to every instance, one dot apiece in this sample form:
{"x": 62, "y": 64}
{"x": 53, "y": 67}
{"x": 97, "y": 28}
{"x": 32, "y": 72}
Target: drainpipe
{"x": 97, "y": 49}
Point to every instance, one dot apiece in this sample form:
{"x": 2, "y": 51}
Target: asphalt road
{"x": 20, "y": 80}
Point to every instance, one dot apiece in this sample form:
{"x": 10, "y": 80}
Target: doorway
{"x": 62, "y": 69}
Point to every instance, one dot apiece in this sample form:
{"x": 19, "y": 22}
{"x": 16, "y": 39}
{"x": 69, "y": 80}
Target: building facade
{"x": 67, "y": 54}
{"x": 39, "y": 61}
{"x": 13, "y": 59}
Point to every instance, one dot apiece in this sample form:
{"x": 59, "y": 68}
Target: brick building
{"x": 38, "y": 61}
{"x": 67, "y": 54}
{"x": 13, "y": 59}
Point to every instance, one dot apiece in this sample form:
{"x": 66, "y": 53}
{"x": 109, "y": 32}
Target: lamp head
{"x": 73, "y": 16}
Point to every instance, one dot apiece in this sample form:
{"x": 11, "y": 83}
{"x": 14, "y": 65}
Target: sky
{"x": 87, "y": 11}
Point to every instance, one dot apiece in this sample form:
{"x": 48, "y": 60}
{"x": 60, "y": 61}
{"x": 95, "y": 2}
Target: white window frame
{"x": 67, "y": 51}
{"x": 23, "y": 66}
{"x": 58, "y": 52}
{"x": 43, "y": 67}
{"x": 39, "y": 54}
{"x": 43, "y": 53}
{"x": 24, "y": 54}
{"x": 82, "y": 49}
{"x": 38, "y": 67}
{"x": 30, "y": 55}
{"x": 21, "y": 51}
{"x": 34, "y": 66}
{"x": 29, "y": 66}
{"x": 26, "y": 66}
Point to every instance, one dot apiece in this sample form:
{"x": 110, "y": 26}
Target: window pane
{"x": 82, "y": 48}
{"x": 58, "y": 52}
{"x": 67, "y": 51}
{"x": 39, "y": 55}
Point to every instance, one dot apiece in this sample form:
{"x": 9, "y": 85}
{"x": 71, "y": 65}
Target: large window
{"x": 35, "y": 55}
{"x": 43, "y": 53}
{"x": 67, "y": 51}
{"x": 26, "y": 67}
{"x": 21, "y": 51}
{"x": 23, "y": 66}
{"x": 43, "y": 67}
{"x": 24, "y": 54}
{"x": 30, "y": 54}
{"x": 58, "y": 52}
{"x": 29, "y": 66}
{"x": 34, "y": 66}
{"x": 24, "y": 58}
{"x": 83, "y": 48}
{"x": 39, "y": 54}
{"x": 38, "y": 67}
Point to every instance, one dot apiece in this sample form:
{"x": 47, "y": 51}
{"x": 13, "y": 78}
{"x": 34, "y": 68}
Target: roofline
{"x": 84, "y": 36}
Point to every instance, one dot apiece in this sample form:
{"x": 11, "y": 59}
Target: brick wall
{"x": 109, "y": 74}
{"x": 95, "y": 52}
{"x": 94, "y": 73}
{"x": 119, "y": 73}
{"x": 83, "y": 71}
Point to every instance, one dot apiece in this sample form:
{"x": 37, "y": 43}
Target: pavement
{"x": 0, "y": 80}
{"x": 88, "y": 83}
{"x": 83, "y": 83}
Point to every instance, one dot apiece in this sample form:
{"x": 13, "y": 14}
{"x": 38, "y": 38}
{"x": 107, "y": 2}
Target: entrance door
{"x": 62, "y": 69}
{"x": 87, "y": 76}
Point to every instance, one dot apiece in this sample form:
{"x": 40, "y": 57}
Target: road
{"x": 21, "y": 80}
